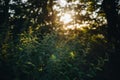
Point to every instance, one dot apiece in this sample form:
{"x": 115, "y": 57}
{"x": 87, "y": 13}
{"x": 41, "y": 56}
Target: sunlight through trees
{"x": 57, "y": 39}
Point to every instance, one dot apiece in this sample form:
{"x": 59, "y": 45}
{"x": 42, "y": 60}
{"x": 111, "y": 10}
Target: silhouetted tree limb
{"x": 109, "y": 7}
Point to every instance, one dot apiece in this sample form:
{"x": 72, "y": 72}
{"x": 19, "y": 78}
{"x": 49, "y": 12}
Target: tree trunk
{"x": 113, "y": 67}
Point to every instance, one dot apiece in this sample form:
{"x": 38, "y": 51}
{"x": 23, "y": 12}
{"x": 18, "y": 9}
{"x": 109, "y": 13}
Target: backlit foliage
{"x": 51, "y": 39}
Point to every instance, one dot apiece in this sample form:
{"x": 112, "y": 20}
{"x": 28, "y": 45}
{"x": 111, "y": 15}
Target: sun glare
{"x": 66, "y": 18}
{"x": 62, "y": 3}
{"x": 66, "y": 14}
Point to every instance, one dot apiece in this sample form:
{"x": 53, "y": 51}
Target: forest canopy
{"x": 59, "y": 39}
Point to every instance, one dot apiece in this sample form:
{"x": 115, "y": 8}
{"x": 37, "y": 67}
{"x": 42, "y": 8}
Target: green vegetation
{"x": 50, "y": 40}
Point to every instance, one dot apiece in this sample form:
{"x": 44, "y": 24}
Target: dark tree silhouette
{"x": 113, "y": 30}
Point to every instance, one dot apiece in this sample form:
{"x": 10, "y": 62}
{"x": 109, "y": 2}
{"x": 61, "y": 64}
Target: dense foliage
{"x": 36, "y": 43}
